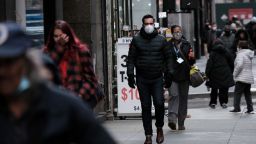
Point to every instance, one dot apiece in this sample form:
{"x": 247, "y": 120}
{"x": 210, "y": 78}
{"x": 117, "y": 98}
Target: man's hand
{"x": 131, "y": 81}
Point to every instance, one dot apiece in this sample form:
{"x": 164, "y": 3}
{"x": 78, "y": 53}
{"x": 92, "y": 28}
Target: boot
{"x": 159, "y": 136}
{"x": 181, "y": 127}
{"x": 148, "y": 139}
{"x": 172, "y": 125}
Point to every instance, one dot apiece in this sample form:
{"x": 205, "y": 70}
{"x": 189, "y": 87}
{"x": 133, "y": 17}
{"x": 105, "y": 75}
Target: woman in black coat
{"x": 219, "y": 69}
{"x": 241, "y": 34}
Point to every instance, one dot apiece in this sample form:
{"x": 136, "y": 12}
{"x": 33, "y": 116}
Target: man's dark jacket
{"x": 149, "y": 54}
{"x": 54, "y": 117}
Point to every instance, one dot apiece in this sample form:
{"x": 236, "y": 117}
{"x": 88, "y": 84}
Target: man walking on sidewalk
{"x": 148, "y": 53}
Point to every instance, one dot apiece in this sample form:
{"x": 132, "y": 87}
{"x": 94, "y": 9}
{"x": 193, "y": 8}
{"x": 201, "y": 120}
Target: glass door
{"x": 29, "y": 14}
{"x": 34, "y": 20}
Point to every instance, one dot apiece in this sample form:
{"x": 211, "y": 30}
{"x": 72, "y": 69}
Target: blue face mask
{"x": 23, "y": 86}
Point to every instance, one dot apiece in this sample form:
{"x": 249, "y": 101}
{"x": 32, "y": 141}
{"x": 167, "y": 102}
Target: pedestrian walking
{"x": 33, "y": 112}
{"x": 228, "y": 38}
{"x": 182, "y": 57}
{"x": 74, "y": 61}
{"x": 251, "y": 29}
{"x": 241, "y": 34}
{"x": 243, "y": 76}
{"x": 147, "y": 54}
{"x": 219, "y": 69}
{"x": 212, "y": 35}
{"x": 205, "y": 37}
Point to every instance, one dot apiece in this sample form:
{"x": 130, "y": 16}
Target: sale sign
{"x": 128, "y": 98}
{"x": 241, "y": 13}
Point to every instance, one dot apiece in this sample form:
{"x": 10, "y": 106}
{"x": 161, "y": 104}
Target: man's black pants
{"x": 147, "y": 89}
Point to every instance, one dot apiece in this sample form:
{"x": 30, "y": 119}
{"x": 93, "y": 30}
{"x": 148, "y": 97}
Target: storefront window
{"x": 141, "y": 8}
{"x": 34, "y": 20}
{"x": 130, "y": 13}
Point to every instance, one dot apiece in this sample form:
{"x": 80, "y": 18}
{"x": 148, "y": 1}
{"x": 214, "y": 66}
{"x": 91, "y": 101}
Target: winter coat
{"x": 76, "y": 71}
{"x": 243, "y": 66}
{"x": 148, "y": 54}
{"x": 238, "y": 38}
{"x": 54, "y": 116}
{"x": 180, "y": 71}
{"x": 219, "y": 67}
{"x": 228, "y": 42}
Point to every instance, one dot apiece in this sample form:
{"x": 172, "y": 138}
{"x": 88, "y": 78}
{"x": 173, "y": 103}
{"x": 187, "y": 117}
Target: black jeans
{"x": 241, "y": 88}
{"x": 148, "y": 88}
{"x": 222, "y": 93}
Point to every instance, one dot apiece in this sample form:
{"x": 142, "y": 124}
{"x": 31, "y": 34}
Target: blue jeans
{"x": 148, "y": 88}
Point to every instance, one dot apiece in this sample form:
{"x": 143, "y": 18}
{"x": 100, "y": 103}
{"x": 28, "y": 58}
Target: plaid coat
{"x": 76, "y": 69}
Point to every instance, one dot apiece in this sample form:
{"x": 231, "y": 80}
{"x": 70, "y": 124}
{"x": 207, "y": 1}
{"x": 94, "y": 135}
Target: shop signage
{"x": 241, "y": 13}
{"x": 162, "y": 15}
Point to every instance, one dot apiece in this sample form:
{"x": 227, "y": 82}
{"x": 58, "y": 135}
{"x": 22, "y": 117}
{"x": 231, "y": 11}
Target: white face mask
{"x": 177, "y": 35}
{"x": 149, "y": 29}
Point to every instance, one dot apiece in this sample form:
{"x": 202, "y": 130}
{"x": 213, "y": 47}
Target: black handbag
{"x": 196, "y": 76}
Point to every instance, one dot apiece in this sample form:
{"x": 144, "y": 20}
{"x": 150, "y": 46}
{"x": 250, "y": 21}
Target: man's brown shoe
{"x": 159, "y": 136}
{"x": 148, "y": 139}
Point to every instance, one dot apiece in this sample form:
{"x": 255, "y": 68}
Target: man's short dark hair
{"x": 173, "y": 27}
{"x": 147, "y": 16}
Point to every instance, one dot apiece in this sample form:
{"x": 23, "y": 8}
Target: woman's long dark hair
{"x": 65, "y": 28}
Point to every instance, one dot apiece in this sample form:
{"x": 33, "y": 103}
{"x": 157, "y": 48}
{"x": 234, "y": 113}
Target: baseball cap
{"x": 14, "y": 41}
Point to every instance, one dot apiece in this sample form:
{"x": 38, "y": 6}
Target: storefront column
{"x": 21, "y": 12}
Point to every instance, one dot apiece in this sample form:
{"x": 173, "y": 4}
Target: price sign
{"x": 128, "y": 98}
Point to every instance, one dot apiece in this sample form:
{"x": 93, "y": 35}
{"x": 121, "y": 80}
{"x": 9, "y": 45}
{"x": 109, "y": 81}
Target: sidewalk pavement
{"x": 206, "y": 126}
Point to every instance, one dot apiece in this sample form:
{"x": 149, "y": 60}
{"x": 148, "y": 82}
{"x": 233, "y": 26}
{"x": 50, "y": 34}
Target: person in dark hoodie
{"x": 150, "y": 56}
{"x": 219, "y": 69}
{"x": 241, "y": 34}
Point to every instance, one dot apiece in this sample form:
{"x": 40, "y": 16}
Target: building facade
{"x": 100, "y": 24}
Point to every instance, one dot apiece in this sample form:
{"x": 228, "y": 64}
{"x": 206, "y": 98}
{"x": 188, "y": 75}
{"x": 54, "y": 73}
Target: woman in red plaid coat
{"x": 74, "y": 62}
